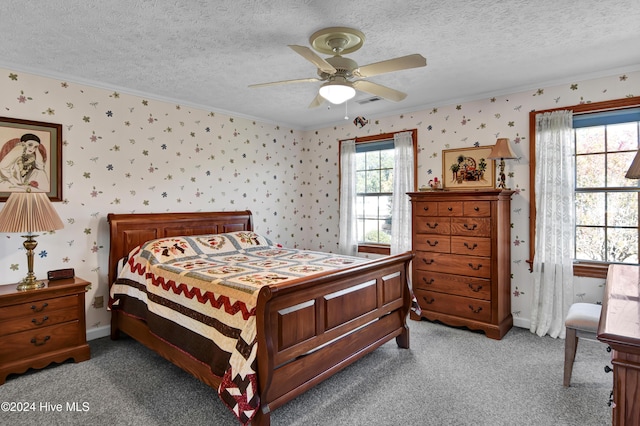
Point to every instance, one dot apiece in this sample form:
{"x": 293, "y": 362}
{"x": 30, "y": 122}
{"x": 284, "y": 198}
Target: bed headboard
{"x": 127, "y": 231}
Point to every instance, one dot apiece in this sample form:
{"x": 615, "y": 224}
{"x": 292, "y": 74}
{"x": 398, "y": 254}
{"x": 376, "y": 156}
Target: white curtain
{"x": 348, "y": 244}
{"x": 555, "y": 223}
{"x": 403, "y": 177}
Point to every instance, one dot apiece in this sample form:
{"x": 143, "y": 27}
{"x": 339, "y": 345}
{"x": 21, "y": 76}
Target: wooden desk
{"x": 620, "y": 328}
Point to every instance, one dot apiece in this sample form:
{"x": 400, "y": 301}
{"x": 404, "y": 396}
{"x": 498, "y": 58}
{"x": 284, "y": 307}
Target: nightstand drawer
{"x": 34, "y": 342}
{"x": 38, "y": 320}
{"x": 38, "y": 307}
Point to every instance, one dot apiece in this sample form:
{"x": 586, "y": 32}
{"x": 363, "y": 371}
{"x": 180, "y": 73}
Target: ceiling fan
{"x": 343, "y": 76}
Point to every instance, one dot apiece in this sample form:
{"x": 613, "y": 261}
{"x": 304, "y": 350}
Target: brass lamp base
{"x": 30, "y": 282}
{"x": 26, "y": 285}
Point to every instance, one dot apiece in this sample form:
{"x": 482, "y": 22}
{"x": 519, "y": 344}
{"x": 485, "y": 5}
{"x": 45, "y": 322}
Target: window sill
{"x": 383, "y": 249}
{"x": 592, "y": 270}
{"x": 583, "y": 269}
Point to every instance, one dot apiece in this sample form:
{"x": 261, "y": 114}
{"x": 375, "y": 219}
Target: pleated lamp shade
{"x": 502, "y": 149}
{"x": 29, "y": 212}
{"x": 634, "y": 169}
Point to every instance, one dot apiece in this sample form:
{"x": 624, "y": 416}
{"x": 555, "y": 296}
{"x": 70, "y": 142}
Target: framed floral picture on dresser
{"x": 468, "y": 168}
{"x": 30, "y": 157}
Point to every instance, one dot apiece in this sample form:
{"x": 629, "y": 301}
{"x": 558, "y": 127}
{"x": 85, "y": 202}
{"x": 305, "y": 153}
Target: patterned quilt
{"x": 199, "y": 293}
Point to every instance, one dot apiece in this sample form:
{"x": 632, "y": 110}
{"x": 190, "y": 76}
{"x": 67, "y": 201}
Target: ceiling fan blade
{"x": 317, "y": 101}
{"x": 402, "y": 63}
{"x": 379, "y": 90}
{"x": 275, "y": 83}
{"x": 312, "y": 57}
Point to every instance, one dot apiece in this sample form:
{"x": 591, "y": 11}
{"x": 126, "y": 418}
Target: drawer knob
{"x": 428, "y": 281}
{"x": 476, "y": 208}
{"x": 34, "y": 308}
{"x": 432, "y": 244}
{"x": 475, "y": 268}
{"x": 426, "y": 209}
{"x": 471, "y": 227}
{"x": 428, "y": 262}
{"x": 40, "y": 343}
{"x": 432, "y": 225}
{"x": 450, "y": 208}
{"x": 36, "y": 322}
{"x": 473, "y": 247}
{"x": 475, "y": 310}
{"x": 476, "y": 288}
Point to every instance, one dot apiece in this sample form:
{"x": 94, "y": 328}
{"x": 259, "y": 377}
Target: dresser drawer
{"x": 478, "y": 288}
{"x": 432, "y": 242}
{"x": 476, "y": 309}
{"x": 474, "y": 266}
{"x": 38, "y": 320}
{"x": 471, "y": 245}
{"x": 471, "y": 226}
{"x": 425, "y": 208}
{"x": 476, "y": 208}
{"x": 450, "y": 208}
{"x": 432, "y": 225}
{"x": 41, "y": 341}
{"x": 39, "y": 307}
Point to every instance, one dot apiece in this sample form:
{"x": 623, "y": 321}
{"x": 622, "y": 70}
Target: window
{"x": 607, "y": 136}
{"x": 375, "y": 157}
{"x": 374, "y": 191}
{"x": 606, "y": 202}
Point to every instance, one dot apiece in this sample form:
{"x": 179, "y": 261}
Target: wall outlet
{"x": 98, "y": 302}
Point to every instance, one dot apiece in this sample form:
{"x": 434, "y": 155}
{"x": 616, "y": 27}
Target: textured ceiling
{"x": 207, "y": 53}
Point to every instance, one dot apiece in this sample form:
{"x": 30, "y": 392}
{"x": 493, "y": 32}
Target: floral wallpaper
{"x": 125, "y": 153}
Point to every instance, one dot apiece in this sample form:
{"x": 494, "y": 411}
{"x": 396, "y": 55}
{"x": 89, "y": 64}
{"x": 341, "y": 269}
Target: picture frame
{"x": 468, "y": 168}
{"x": 30, "y": 157}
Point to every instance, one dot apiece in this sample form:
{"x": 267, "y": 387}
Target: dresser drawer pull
{"x": 35, "y": 341}
{"x": 432, "y": 244}
{"x": 471, "y": 227}
{"x": 36, "y": 322}
{"x": 475, "y": 310}
{"x": 35, "y": 309}
{"x": 476, "y": 208}
{"x": 432, "y": 226}
{"x": 476, "y": 288}
{"x": 429, "y": 281}
{"x": 475, "y": 268}
{"x": 426, "y": 209}
{"x": 450, "y": 209}
{"x": 471, "y": 247}
{"x": 428, "y": 262}
{"x": 429, "y": 301}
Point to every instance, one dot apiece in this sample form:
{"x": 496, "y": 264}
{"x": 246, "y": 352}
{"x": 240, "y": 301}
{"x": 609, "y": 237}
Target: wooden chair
{"x": 581, "y": 322}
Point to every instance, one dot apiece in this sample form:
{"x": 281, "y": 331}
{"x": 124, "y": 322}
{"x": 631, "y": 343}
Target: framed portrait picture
{"x": 30, "y": 157}
{"x": 468, "y": 168}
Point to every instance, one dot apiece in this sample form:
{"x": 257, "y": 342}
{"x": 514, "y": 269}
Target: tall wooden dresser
{"x": 462, "y": 264}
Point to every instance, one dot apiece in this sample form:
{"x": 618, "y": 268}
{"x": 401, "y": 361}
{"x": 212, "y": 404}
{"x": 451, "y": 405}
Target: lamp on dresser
{"x": 26, "y": 213}
{"x": 502, "y": 151}
{"x": 634, "y": 169}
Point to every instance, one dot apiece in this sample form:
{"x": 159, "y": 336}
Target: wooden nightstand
{"x": 38, "y": 327}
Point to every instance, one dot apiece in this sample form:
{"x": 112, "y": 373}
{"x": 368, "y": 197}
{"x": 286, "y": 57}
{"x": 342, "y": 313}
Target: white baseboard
{"x": 522, "y": 322}
{"x": 98, "y": 332}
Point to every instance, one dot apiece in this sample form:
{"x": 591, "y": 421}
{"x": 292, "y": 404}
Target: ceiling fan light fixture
{"x": 337, "y": 92}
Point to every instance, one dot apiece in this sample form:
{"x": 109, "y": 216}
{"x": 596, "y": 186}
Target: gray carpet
{"x": 449, "y": 376}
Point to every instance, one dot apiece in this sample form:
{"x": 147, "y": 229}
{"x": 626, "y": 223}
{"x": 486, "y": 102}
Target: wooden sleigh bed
{"x": 307, "y": 330}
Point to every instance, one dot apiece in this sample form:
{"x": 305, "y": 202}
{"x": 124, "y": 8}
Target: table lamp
{"x": 502, "y": 150}
{"x": 634, "y": 169}
{"x": 29, "y": 212}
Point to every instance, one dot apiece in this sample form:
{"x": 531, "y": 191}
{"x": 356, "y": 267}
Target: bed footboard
{"x": 310, "y": 331}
